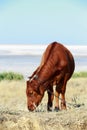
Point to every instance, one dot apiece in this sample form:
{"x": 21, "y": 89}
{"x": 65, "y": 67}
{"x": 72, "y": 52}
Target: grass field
{"x": 13, "y": 92}
{"x": 14, "y": 113}
{"x": 80, "y": 75}
{"x": 11, "y": 76}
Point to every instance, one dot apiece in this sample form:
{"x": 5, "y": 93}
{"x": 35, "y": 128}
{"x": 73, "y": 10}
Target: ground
{"x": 15, "y": 116}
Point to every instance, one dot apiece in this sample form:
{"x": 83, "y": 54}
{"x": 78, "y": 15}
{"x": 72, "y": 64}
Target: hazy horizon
{"x": 29, "y": 49}
{"x": 25, "y": 58}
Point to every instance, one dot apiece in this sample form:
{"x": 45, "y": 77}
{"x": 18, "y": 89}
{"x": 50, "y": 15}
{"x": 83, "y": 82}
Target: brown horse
{"x": 56, "y": 68}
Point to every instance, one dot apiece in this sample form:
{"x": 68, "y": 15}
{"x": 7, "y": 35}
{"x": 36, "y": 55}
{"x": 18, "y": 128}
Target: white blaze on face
{"x": 34, "y": 105}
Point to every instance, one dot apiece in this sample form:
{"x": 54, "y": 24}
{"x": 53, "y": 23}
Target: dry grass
{"x": 13, "y": 94}
{"x": 76, "y": 91}
{"x": 14, "y": 113}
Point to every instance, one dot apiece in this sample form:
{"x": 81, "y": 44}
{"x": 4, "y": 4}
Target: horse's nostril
{"x": 30, "y": 108}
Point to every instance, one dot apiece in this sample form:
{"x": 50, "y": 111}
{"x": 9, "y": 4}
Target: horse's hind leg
{"x": 60, "y": 91}
{"x": 63, "y": 90}
{"x": 56, "y": 100}
{"x": 63, "y": 102}
{"x": 57, "y": 94}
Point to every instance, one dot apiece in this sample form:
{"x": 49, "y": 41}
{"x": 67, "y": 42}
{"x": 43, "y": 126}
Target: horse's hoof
{"x": 56, "y": 109}
{"x": 49, "y": 109}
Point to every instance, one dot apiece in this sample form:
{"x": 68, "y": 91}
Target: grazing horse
{"x": 56, "y": 68}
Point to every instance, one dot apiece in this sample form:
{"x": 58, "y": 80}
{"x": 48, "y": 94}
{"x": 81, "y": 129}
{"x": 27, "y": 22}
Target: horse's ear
{"x": 32, "y": 78}
{"x": 29, "y": 78}
{"x": 27, "y": 83}
{"x": 35, "y": 76}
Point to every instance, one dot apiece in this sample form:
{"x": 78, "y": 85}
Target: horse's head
{"x": 34, "y": 94}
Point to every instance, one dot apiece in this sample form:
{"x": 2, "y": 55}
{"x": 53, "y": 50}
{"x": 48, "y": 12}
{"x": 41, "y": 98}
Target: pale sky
{"x": 43, "y": 21}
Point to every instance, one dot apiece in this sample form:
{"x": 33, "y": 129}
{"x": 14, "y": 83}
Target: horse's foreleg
{"x": 50, "y": 98}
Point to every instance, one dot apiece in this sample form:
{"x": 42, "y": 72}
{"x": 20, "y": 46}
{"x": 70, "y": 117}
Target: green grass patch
{"x": 80, "y": 75}
{"x": 11, "y": 76}
{"x": 18, "y": 76}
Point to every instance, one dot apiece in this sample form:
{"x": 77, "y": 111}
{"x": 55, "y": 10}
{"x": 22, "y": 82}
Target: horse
{"x": 56, "y": 68}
